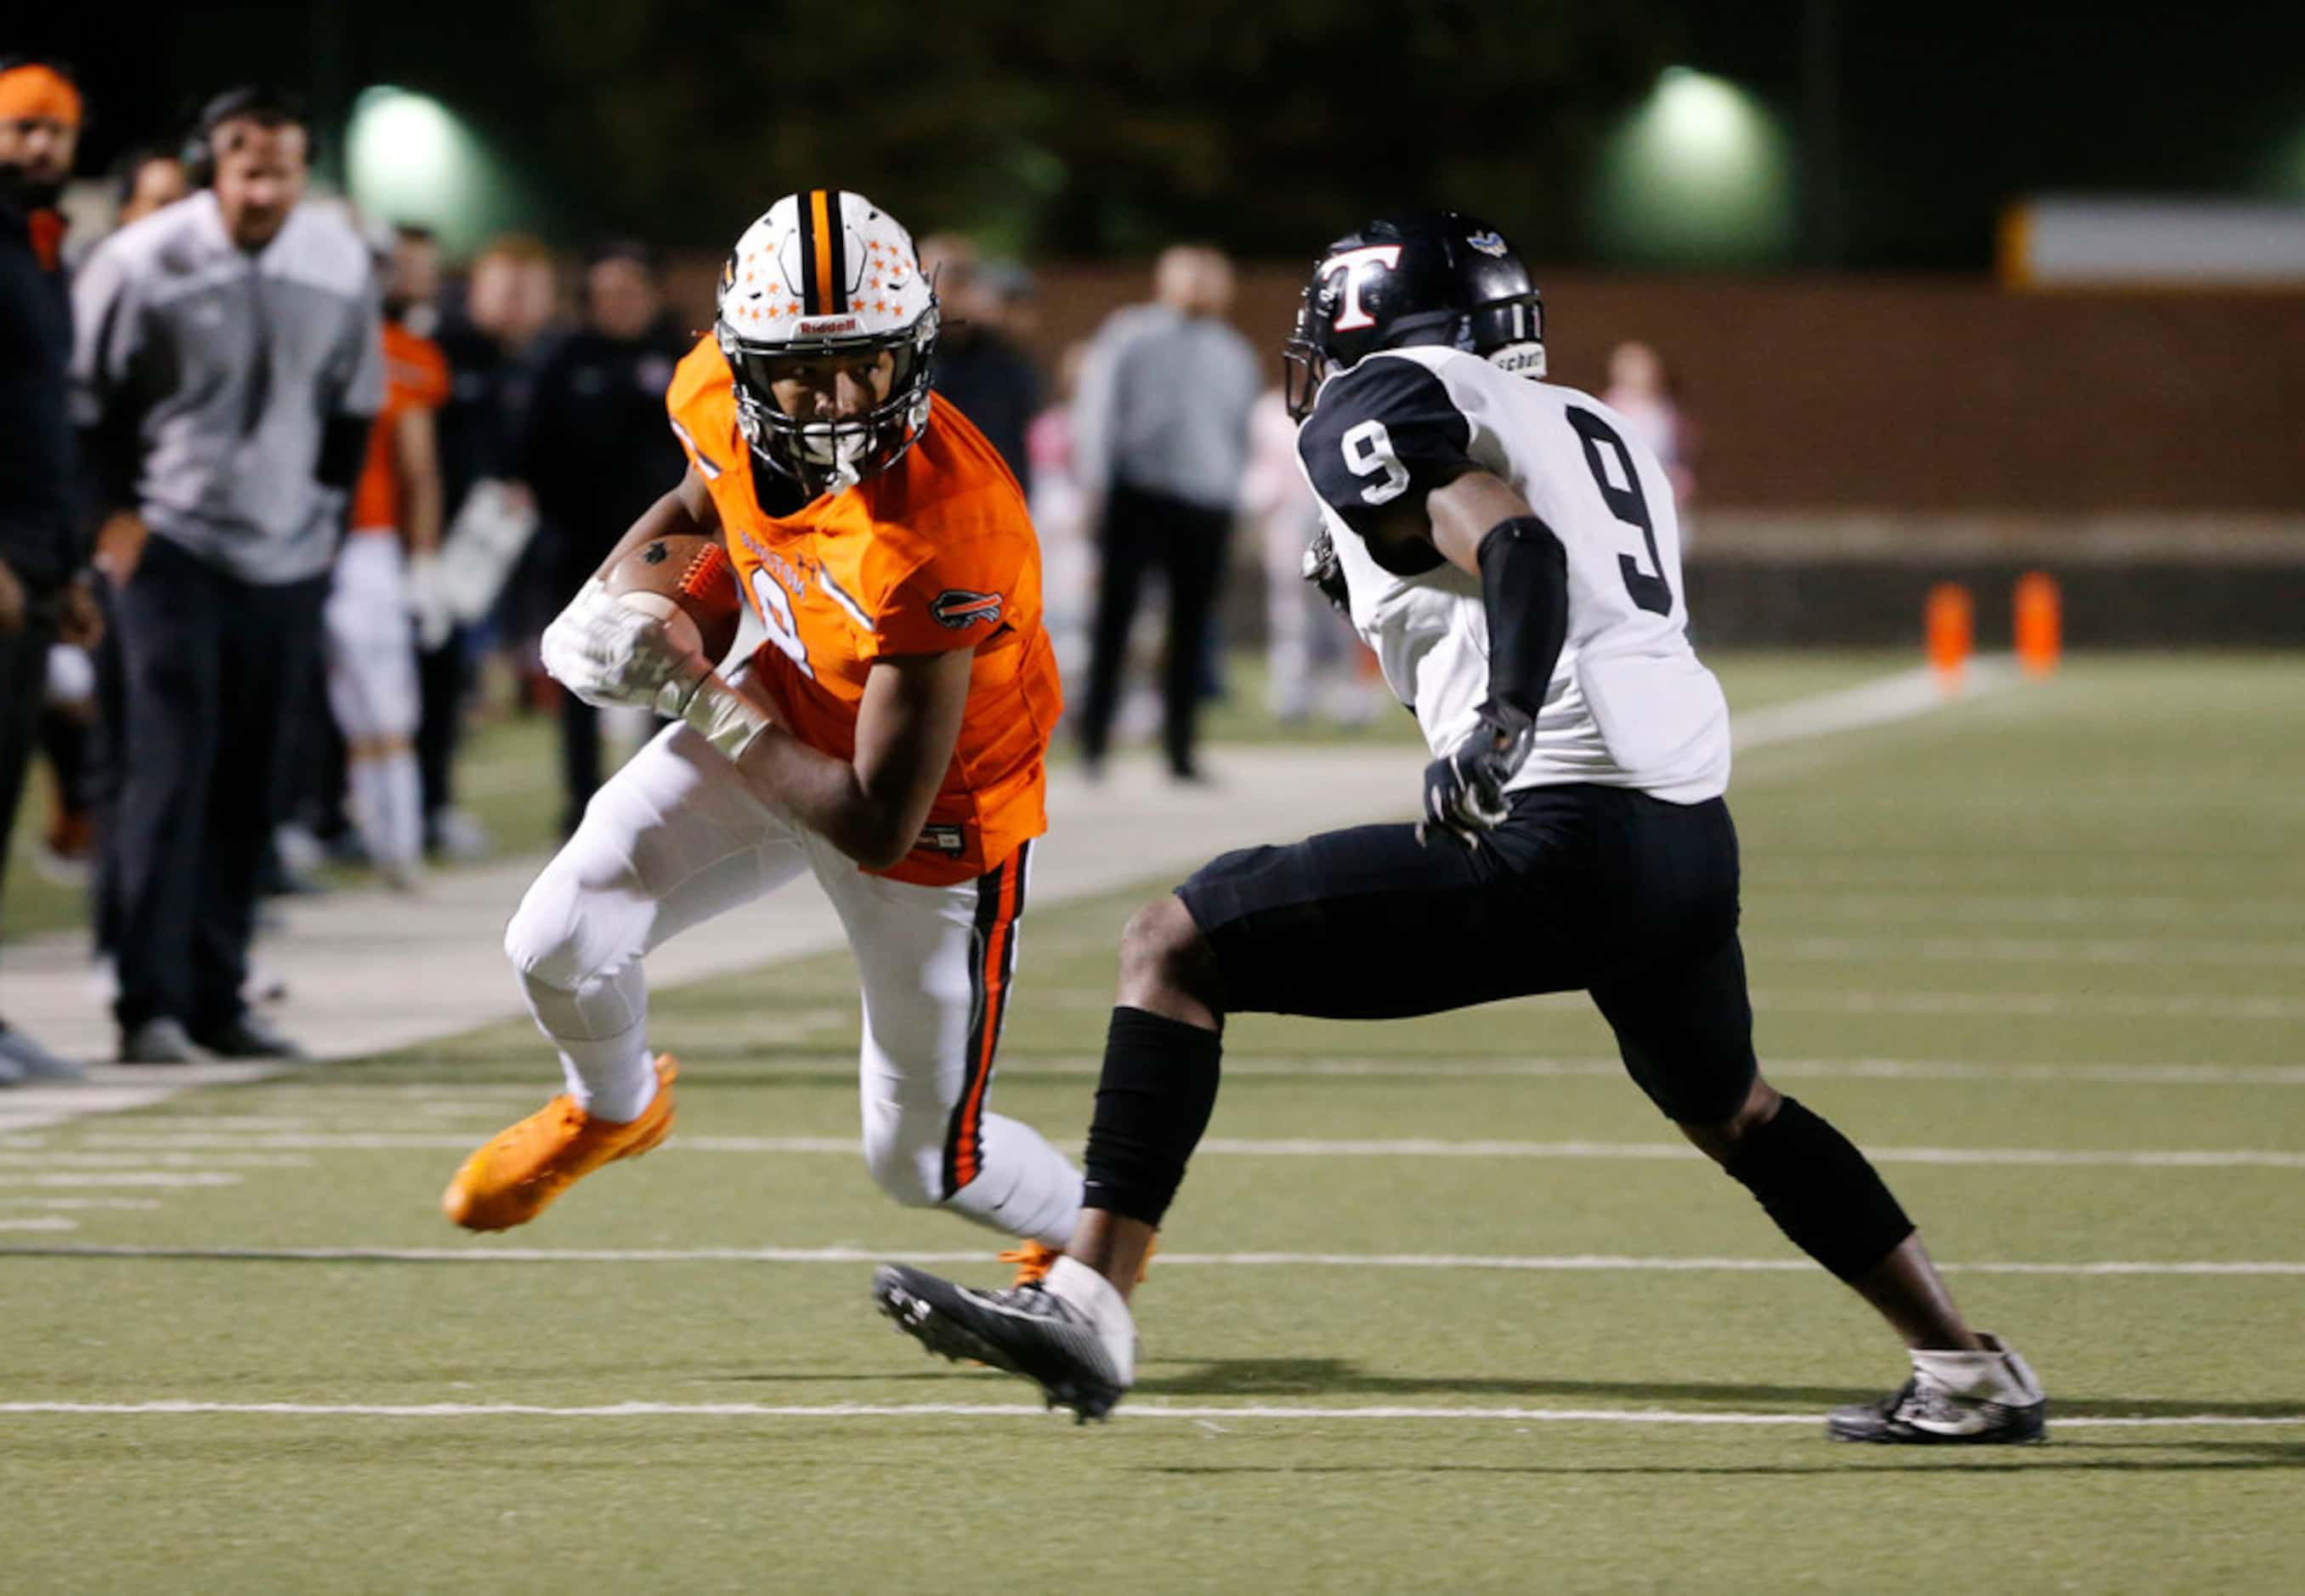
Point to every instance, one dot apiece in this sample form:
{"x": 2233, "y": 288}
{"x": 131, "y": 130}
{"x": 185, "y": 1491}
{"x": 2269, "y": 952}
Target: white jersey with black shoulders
{"x": 1628, "y": 705}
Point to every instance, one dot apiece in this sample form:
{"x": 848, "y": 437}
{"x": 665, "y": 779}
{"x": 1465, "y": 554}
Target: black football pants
{"x": 1592, "y": 888}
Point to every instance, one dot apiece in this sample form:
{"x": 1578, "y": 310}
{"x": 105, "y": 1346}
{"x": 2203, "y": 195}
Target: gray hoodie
{"x": 230, "y": 367}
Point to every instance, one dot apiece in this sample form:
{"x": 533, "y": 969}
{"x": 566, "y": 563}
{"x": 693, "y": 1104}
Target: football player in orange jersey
{"x": 888, "y": 738}
{"x": 395, "y": 528}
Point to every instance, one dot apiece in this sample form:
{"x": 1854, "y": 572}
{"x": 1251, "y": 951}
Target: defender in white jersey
{"x": 1514, "y": 559}
{"x": 1628, "y": 705}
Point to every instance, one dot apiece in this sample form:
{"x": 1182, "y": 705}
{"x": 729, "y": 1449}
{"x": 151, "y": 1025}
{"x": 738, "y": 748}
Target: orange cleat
{"x": 1033, "y": 1259}
{"x": 517, "y": 1173}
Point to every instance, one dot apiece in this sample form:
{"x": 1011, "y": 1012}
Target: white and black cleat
{"x": 1078, "y": 1362}
{"x": 1954, "y": 1398}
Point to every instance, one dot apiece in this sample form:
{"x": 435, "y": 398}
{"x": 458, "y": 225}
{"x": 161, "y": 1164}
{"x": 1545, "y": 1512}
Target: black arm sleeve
{"x": 1525, "y": 591}
{"x": 1381, "y": 430}
{"x": 344, "y": 447}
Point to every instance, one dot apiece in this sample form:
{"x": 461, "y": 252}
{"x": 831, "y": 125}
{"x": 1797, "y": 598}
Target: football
{"x": 687, "y": 583}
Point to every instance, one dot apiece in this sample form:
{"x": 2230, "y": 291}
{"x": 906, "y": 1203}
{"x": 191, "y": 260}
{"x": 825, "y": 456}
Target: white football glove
{"x": 608, "y": 654}
{"x": 429, "y": 603}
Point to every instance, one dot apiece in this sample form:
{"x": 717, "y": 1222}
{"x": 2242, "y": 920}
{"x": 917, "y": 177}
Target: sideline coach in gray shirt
{"x": 1160, "y": 440}
{"x": 228, "y": 369}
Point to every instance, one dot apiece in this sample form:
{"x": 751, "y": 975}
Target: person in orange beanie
{"x": 45, "y": 597}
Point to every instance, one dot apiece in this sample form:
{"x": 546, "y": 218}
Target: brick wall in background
{"x": 1896, "y": 394}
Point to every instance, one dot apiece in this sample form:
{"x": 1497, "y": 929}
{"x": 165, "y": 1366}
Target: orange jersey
{"x": 415, "y": 378}
{"x": 935, "y": 553}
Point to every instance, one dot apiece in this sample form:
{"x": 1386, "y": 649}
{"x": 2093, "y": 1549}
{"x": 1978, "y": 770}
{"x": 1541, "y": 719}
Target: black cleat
{"x": 248, "y": 1036}
{"x": 1024, "y": 1330}
{"x": 1996, "y": 1403}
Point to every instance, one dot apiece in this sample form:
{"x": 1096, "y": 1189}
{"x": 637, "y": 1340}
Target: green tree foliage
{"x": 1088, "y": 127}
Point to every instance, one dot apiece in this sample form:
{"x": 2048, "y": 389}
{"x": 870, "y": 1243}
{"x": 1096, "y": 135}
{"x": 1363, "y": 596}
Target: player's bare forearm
{"x": 1451, "y": 519}
{"x": 1466, "y": 511}
{"x": 416, "y": 453}
{"x": 687, "y": 510}
{"x": 872, "y": 808}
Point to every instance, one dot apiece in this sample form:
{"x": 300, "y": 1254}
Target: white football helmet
{"x": 827, "y": 272}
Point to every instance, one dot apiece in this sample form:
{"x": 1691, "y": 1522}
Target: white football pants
{"x": 675, "y": 838}
{"x": 373, "y": 691}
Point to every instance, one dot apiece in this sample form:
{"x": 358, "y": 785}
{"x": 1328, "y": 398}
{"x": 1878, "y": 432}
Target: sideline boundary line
{"x": 923, "y": 1410}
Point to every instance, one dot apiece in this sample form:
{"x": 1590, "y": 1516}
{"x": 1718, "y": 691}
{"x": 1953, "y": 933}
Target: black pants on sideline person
{"x": 1186, "y": 542}
{"x": 23, "y": 687}
{"x": 443, "y": 678}
{"x": 214, "y": 671}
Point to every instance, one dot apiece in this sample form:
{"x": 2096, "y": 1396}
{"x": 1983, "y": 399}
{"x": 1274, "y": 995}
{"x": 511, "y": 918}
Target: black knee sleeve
{"x": 1158, "y": 1087}
{"x": 1821, "y": 1191}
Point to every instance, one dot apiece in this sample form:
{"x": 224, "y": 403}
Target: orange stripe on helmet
{"x": 819, "y": 214}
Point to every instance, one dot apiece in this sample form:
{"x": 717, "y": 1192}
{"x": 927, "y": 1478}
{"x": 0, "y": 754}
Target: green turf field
{"x": 1443, "y": 1307}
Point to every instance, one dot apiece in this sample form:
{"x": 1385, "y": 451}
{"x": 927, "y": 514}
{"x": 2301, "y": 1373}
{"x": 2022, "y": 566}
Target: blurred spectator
{"x": 230, "y": 371}
{"x": 1641, "y": 390}
{"x": 72, "y": 727}
{"x": 493, "y": 348}
{"x": 1013, "y": 298}
{"x": 396, "y": 522}
{"x": 978, "y": 367}
{"x": 1061, "y": 515}
{"x": 44, "y": 593}
{"x": 1161, "y": 443}
{"x": 148, "y": 179}
{"x": 599, "y": 453}
{"x": 1315, "y": 664}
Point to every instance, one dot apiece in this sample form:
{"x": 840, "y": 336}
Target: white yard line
{"x": 1019, "y": 1410}
{"x": 2024, "y": 950}
{"x": 1422, "y": 1064}
{"x": 12, "y": 1157}
{"x": 488, "y": 1104}
{"x": 1566, "y": 1263}
{"x": 2279, "y": 1006}
{"x": 1401, "y": 1147}
{"x": 1882, "y": 703}
{"x": 2131, "y": 1006}
{"x": 123, "y": 1177}
{"x": 112, "y": 1088}
{"x": 40, "y": 1224}
{"x": 1766, "y": 901}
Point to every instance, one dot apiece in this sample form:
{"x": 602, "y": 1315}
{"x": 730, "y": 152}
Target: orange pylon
{"x": 2040, "y": 621}
{"x": 1950, "y": 619}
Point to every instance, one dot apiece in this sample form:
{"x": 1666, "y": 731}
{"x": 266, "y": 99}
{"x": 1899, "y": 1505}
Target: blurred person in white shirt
{"x": 1641, "y": 389}
{"x": 1313, "y": 663}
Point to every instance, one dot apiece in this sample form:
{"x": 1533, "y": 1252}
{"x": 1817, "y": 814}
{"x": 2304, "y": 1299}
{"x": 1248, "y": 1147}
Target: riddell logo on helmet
{"x": 827, "y": 325}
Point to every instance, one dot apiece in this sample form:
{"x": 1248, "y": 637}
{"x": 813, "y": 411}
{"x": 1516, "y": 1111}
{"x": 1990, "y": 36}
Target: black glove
{"x": 1325, "y": 572}
{"x": 1465, "y": 789}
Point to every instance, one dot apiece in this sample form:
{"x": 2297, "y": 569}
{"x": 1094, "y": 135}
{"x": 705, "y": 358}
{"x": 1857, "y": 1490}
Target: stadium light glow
{"x": 409, "y": 159}
{"x": 1700, "y": 174}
